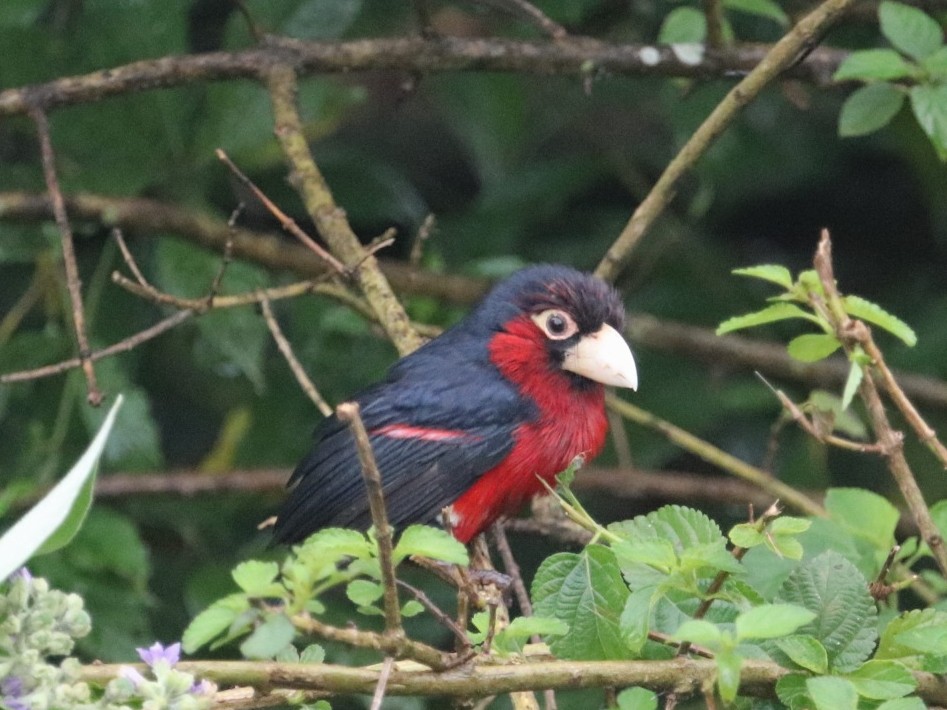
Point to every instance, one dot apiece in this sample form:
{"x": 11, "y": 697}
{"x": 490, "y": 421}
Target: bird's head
{"x": 558, "y": 323}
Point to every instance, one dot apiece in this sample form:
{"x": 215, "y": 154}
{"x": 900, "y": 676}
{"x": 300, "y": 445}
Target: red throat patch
{"x": 570, "y": 422}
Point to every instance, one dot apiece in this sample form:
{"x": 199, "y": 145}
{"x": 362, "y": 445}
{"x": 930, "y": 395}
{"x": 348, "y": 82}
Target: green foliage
{"x": 272, "y": 594}
{"x": 920, "y": 41}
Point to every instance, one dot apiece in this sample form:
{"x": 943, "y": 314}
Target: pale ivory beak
{"x": 603, "y": 356}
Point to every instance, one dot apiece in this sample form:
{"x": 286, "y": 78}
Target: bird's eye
{"x": 556, "y": 324}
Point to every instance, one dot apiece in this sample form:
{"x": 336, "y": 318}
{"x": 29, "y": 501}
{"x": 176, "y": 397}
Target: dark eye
{"x": 556, "y": 324}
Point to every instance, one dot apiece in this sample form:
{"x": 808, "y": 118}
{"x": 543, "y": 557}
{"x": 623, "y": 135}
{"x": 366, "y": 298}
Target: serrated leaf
{"x": 883, "y": 680}
{"x": 873, "y": 64}
{"x": 912, "y": 703}
{"x": 636, "y": 616}
{"x": 805, "y": 651}
{"x": 909, "y": 29}
{"x": 213, "y": 621}
{"x": 873, "y": 313}
{"x": 929, "y": 105}
{"x": 587, "y": 592}
{"x": 364, "y": 592}
{"x": 255, "y": 577}
{"x": 699, "y": 631}
{"x": 655, "y": 553}
{"x": 777, "y": 273}
{"x": 928, "y": 638}
{"x": 55, "y": 520}
{"x": 683, "y": 25}
{"x": 869, "y": 108}
{"x": 762, "y": 8}
{"x": 333, "y": 544}
{"x": 522, "y": 628}
{"x": 832, "y": 588}
{"x": 785, "y": 546}
{"x": 313, "y": 653}
{"x": 813, "y": 347}
{"x": 637, "y": 699}
{"x": 830, "y": 693}
{"x": 791, "y": 690}
{"x": 269, "y": 638}
{"x": 856, "y": 373}
{"x": 288, "y": 654}
{"x": 771, "y": 620}
{"x": 771, "y": 314}
{"x": 865, "y": 514}
{"x": 433, "y": 543}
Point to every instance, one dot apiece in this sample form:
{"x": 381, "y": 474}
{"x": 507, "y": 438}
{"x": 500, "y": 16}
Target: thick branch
{"x": 568, "y": 56}
{"x": 683, "y": 675}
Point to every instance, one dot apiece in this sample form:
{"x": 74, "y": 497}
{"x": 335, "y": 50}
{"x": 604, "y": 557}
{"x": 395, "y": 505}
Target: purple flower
{"x": 23, "y": 574}
{"x": 170, "y": 655}
{"x": 11, "y": 690}
{"x": 131, "y": 675}
{"x": 203, "y": 687}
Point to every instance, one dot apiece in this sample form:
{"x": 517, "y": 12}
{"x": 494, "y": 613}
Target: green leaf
{"x": 909, "y": 29}
{"x": 776, "y": 273}
{"x": 55, "y": 520}
{"x": 331, "y": 545}
{"x": 936, "y": 64}
{"x": 637, "y": 699}
{"x": 789, "y": 525}
{"x": 256, "y": 578}
{"x": 699, "y": 631}
{"x": 770, "y": 314}
{"x": 832, "y": 588}
{"x": 912, "y": 703}
{"x": 805, "y": 651}
{"x": 830, "y": 693}
{"x": 433, "y": 543}
{"x": 635, "y": 617}
{"x": 856, "y": 374}
{"x": 683, "y": 25}
{"x": 865, "y": 514}
{"x": 883, "y": 680}
{"x": 412, "y": 607}
{"x": 728, "y": 674}
{"x": 213, "y": 621}
{"x": 890, "y": 646}
{"x": 771, "y": 620}
{"x": 928, "y": 638}
{"x": 791, "y": 691}
{"x": 746, "y": 535}
{"x": 655, "y": 553}
{"x": 364, "y": 592}
{"x": 859, "y": 307}
{"x": 521, "y": 629}
{"x": 313, "y": 653}
{"x": 587, "y": 592}
{"x": 869, "y": 108}
{"x": 875, "y": 64}
{"x": 269, "y": 638}
{"x": 813, "y": 347}
{"x": 929, "y": 104}
{"x": 762, "y": 8}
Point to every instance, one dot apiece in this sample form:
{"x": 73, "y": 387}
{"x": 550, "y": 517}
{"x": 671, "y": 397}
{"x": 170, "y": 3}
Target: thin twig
{"x": 713, "y": 12}
{"x": 434, "y": 610}
{"x": 287, "y": 222}
{"x": 531, "y": 14}
{"x": 512, "y": 569}
{"x": 425, "y": 231}
{"x": 299, "y": 371}
{"x": 73, "y": 282}
{"x": 379, "y": 694}
{"x": 348, "y": 412}
{"x": 129, "y": 259}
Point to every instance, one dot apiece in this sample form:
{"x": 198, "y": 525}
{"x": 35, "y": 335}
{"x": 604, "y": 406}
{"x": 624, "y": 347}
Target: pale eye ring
{"x": 556, "y": 324}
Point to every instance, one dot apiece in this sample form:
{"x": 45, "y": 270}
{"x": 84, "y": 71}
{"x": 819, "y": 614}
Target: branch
{"x": 68, "y": 253}
{"x": 330, "y": 220}
{"x": 783, "y": 54}
{"x": 569, "y": 56}
{"x": 683, "y": 675}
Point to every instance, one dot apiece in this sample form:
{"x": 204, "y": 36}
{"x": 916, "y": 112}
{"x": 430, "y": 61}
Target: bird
{"x": 474, "y": 418}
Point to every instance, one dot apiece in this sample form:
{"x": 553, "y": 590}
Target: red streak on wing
{"x": 406, "y": 431}
{"x": 571, "y": 422}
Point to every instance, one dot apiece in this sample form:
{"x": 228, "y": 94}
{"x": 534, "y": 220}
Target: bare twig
{"x": 713, "y": 12}
{"x": 779, "y": 57}
{"x": 439, "y": 614}
{"x": 348, "y": 412}
{"x": 530, "y": 13}
{"x": 73, "y": 282}
{"x": 425, "y": 231}
{"x": 287, "y": 222}
{"x": 512, "y": 569}
{"x": 379, "y": 694}
{"x": 284, "y": 347}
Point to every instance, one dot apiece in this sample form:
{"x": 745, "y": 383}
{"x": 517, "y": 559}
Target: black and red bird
{"x": 512, "y": 392}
